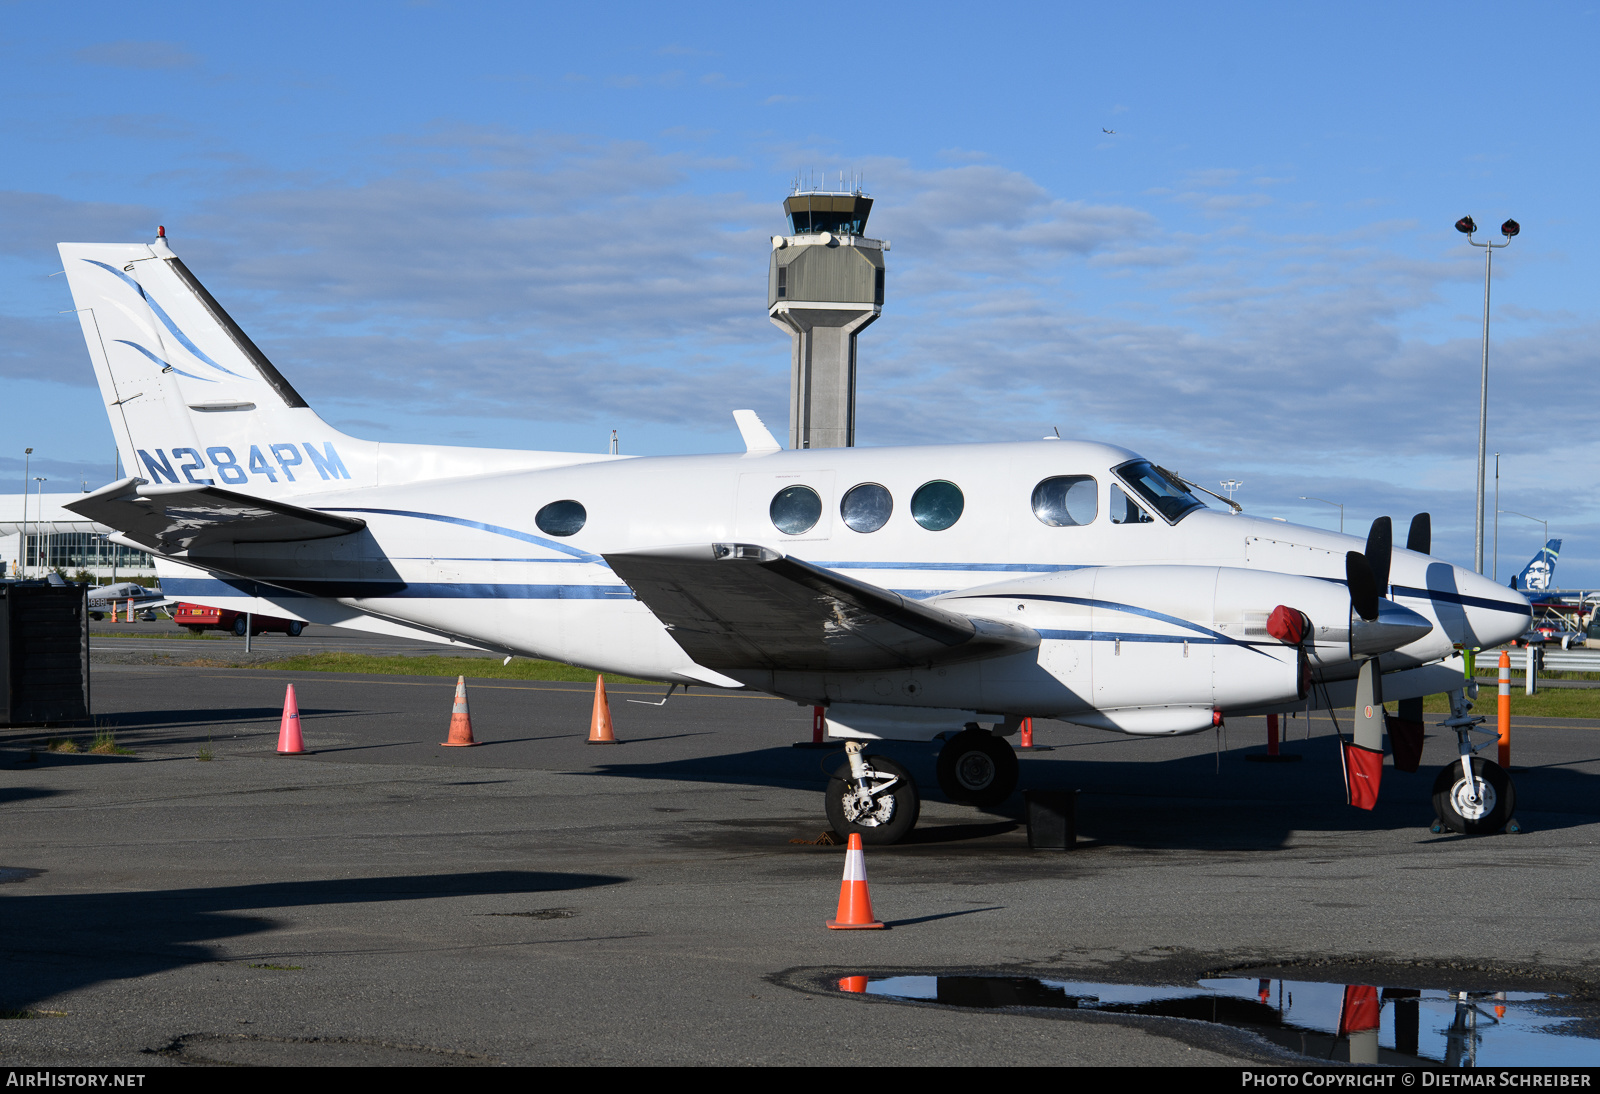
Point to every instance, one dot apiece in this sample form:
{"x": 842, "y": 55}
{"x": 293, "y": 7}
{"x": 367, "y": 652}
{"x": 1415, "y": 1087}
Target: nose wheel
{"x": 1479, "y": 808}
{"x": 977, "y": 768}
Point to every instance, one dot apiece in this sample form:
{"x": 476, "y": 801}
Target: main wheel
{"x": 239, "y": 626}
{"x": 877, "y": 815}
{"x": 977, "y": 768}
{"x": 1496, "y": 798}
{"x": 295, "y": 628}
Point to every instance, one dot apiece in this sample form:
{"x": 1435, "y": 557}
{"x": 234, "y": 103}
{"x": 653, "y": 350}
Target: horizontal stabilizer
{"x": 735, "y": 606}
{"x": 170, "y": 520}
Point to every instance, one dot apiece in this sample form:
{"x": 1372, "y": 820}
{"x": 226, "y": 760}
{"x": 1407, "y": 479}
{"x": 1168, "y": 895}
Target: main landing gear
{"x": 977, "y": 768}
{"x": 1473, "y": 797}
{"x": 876, "y": 798}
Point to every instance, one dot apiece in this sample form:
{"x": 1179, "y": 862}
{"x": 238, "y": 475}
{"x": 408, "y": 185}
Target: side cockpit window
{"x": 1066, "y": 500}
{"x": 1124, "y": 510}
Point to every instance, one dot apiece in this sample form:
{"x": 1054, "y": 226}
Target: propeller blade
{"x": 1380, "y": 551}
{"x": 1420, "y": 538}
{"x": 1363, "y": 588}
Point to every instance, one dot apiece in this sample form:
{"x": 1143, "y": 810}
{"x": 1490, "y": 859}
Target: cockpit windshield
{"x": 1171, "y": 499}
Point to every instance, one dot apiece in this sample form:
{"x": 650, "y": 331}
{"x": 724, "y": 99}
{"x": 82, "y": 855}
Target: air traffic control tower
{"x": 824, "y": 285}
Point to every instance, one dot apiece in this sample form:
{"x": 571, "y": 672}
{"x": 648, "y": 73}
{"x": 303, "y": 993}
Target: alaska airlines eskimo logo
{"x": 287, "y": 457}
{"x": 166, "y": 320}
{"x": 1538, "y": 575}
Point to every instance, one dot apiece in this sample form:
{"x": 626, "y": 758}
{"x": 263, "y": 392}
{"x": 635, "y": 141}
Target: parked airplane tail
{"x": 1539, "y": 573}
{"x": 191, "y": 398}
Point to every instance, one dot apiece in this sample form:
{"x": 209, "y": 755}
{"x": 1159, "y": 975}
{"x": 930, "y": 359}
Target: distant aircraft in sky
{"x": 1112, "y": 132}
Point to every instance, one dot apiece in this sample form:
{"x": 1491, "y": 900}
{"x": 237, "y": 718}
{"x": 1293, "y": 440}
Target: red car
{"x": 198, "y": 618}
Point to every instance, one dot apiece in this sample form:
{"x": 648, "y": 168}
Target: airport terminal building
{"x": 37, "y": 535}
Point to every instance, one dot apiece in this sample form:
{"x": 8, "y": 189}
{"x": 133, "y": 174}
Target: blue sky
{"x": 525, "y": 225}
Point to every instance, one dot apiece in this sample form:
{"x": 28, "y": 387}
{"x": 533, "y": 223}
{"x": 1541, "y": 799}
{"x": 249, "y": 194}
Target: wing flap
{"x": 738, "y": 606}
{"x": 170, "y": 520}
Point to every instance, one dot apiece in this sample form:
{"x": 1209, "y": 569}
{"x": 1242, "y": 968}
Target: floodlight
{"x": 1465, "y": 226}
{"x": 1510, "y": 228}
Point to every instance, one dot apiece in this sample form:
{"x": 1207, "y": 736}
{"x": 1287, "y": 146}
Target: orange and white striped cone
{"x": 460, "y": 719}
{"x": 289, "y": 740}
{"x": 855, "y": 903}
{"x": 600, "y": 731}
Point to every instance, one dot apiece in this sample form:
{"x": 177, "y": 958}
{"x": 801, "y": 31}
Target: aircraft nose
{"x": 1495, "y": 614}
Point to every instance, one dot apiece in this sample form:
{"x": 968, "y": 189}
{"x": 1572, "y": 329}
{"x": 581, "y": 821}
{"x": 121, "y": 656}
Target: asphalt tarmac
{"x": 539, "y": 900}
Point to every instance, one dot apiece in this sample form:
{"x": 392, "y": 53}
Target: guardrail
{"x": 1554, "y": 659}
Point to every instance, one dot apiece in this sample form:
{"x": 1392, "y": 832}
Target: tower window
{"x": 877, "y": 288}
{"x": 783, "y": 281}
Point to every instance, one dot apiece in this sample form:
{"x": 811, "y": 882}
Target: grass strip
{"x": 483, "y": 668}
{"x": 1549, "y": 703}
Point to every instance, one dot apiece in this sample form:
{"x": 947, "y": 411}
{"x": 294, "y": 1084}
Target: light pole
{"x": 1543, "y": 543}
{"x": 1496, "y": 571}
{"x": 38, "y": 518}
{"x": 22, "y": 555}
{"x": 1466, "y": 227}
{"x": 1334, "y": 503}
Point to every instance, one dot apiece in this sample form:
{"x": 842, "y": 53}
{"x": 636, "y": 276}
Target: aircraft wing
{"x": 169, "y": 520}
{"x": 741, "y": 606}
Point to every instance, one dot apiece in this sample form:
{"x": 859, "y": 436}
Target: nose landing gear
{"x": 1473, "y": 797}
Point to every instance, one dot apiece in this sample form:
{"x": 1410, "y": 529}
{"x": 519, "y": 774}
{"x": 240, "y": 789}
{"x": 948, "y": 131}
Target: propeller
{"x": 1363, "y": 585}
{"x": 1377, "y": 625}
{"x": 1380, "y": 550}
{"x": 1420, "y": 538}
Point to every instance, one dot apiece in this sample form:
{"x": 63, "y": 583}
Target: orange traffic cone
{"x": 460, "y": 720}
{"x": 855, "y": 903}
{"x": 289, "y": 742}
{"x": 600, "y": 721}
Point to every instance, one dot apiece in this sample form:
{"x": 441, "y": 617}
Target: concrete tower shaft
{"x": 825, "y": 283}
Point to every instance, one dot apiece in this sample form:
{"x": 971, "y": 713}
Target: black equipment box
{"x": 1052, "y": 819}
{"x": 44, "y": 653}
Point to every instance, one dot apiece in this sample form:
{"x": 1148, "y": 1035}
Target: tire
{"x": 97, "y": 616}
{"x": 1499, "y": 795}
{"x": 239, "y": 626}
{"x": 902, "y": 802}
{"x": 295, "y": 628}
{"x": 977, "y": 768}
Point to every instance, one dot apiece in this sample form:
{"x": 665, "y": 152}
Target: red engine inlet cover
{"x": 1288, "y": 625}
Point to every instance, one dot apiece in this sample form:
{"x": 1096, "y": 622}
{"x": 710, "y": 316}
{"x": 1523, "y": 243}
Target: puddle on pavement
{"x": 1352, "y": 1023}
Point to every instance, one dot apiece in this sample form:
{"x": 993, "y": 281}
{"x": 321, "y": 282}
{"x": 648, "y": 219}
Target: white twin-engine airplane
{"x": 910, "y": 591}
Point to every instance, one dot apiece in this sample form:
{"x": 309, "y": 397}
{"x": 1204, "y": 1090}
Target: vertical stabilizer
{"x": 1540, "y": 572}
{"x": 191, "y": 398}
